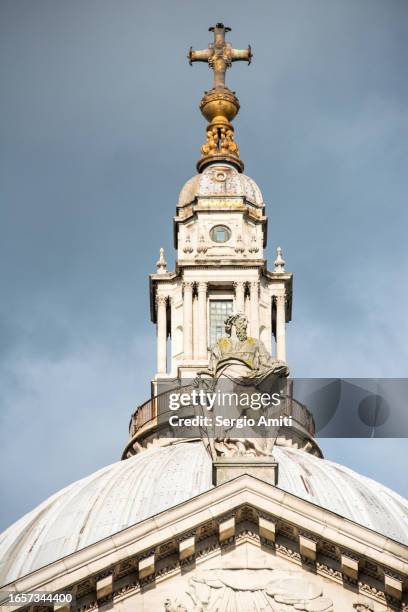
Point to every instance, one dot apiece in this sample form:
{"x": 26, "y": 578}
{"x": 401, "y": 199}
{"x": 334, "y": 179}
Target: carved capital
{"x": 280, "y": 299}
{"x": 161, "y": 299}
{"x": 202, "y": 287}
{"x": 188, "y": 285}
{"x": 239, "y": 285}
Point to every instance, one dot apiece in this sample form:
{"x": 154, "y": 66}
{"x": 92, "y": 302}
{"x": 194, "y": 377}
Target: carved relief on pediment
{"x": 251, "y": 590}
{"x": 363, "y": 607}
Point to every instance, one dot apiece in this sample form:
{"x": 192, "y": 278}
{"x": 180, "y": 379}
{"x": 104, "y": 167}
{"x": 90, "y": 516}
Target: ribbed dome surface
{"x": 220, "y": 180}
{"x": 103, "y": 503}
{"x": 127, "y": 492}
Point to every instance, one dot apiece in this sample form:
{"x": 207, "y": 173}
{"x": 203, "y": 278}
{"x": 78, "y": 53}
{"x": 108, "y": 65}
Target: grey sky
{"x": 99, "y": 129}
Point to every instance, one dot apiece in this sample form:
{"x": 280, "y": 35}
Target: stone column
{"x": 239, "y": 296}
{"x": 280, "y": 327}
{"x": 254, "y": 321}
{"x": 188, "y": 320}
{"x": 195, "y": 327}
{"x": 161, "y": 301}
{"x": 173, "y": 348}
{"x": 202, "y": 320}
{"x": 267, "y": 339}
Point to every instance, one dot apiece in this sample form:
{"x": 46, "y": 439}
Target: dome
{"x": 129, "y": 491}
{"x": 220, "y": 180}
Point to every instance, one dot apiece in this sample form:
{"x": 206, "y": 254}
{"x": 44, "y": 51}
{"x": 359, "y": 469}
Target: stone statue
{"x": 240, "y": 361}
{"x": 236, "y": 347}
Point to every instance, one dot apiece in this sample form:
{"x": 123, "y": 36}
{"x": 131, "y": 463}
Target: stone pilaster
{"x": 254, "y": 318}
{"x": 188, "y": 320}
{"x": 161, "y": 303}
{"x": 280, "y": 327}
{"x": 202, "y": 320}
{"x": 239, "y": 296}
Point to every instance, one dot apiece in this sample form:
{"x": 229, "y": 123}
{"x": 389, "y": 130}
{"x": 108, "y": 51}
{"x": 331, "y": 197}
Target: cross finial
{"x": 220, "y": 55}
{"x": 220, "y": 105}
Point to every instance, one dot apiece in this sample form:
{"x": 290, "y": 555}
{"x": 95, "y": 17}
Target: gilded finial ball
{"x": 219, "y": 105}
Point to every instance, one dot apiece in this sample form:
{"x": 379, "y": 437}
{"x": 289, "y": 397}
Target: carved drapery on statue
{"x": 240, "y": 363}
{"x": 251, "y": 590}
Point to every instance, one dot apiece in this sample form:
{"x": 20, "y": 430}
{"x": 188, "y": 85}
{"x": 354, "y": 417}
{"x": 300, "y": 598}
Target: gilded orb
{"x": 219, "y": 105}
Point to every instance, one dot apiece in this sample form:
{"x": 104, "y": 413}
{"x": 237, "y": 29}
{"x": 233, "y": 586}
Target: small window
{"x": 220, "y": 233}
{"x": 219, "y": 311}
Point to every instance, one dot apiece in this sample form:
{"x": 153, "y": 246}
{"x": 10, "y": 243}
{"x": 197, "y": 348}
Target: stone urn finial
{"x": 279, "y": 261}
{"x": 161, "y": 263}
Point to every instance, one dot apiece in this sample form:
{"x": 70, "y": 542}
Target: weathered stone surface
{"x": 227, "y": 468}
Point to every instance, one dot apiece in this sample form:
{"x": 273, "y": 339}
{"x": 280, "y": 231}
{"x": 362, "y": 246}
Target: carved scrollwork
{"x": 202, "y": 247}
{"x": 220, "y": 140}
{"x": 187, "y": 245}
{"x": 239, "y": 248}
{"x": 253, "y": 248}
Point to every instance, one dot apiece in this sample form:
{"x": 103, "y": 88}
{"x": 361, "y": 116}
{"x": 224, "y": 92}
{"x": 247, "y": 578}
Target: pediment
{"x": 244, "y": 525}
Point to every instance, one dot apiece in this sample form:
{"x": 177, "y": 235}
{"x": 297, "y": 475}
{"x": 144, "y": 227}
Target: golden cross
{"x": 220, "y": 55}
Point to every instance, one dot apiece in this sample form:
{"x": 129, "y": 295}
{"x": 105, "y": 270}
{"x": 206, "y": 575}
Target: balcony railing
{"x": 159, "y": 405}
